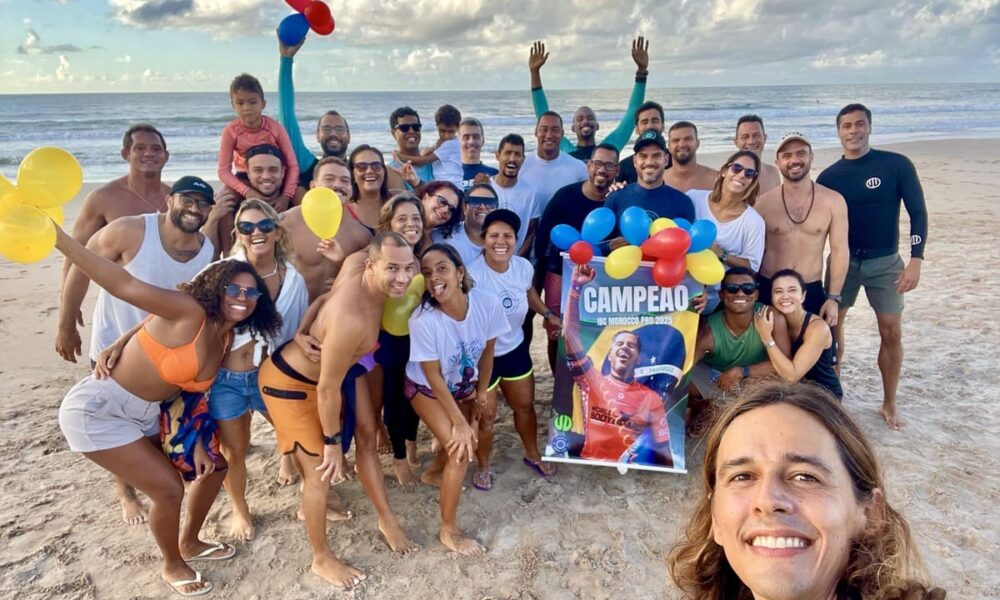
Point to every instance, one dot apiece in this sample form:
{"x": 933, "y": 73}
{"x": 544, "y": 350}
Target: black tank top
{"x": 822, "y": 372}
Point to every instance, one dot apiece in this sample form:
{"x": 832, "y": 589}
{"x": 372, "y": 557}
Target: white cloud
{"x": 124, "y": 59}
{"x": 62, "y": 71}
{"x": 222, "y": 18}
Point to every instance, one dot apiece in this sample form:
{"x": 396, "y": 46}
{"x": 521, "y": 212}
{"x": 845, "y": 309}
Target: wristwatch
{"x": 333, "y": 440}
{"x": 771, "y": 344}
{"x": 724, "y": 256}
{"x": 835, "y": 297}
{"x": 548, "y": 313}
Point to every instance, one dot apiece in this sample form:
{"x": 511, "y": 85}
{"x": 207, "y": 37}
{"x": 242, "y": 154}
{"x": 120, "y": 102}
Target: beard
{"x": 176, "y": 217}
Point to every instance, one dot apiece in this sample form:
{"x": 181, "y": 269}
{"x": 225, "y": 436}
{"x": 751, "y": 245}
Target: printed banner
{"x": 618, "y": 397}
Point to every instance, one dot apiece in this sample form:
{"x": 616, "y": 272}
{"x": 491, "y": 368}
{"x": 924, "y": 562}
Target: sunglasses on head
{"x": 408, "y": 127}
{"x": 234, "y": 291}
{"x": 737, "y": 168}
{"x": 247, "y": 227}
{"x": 746, "y": 288}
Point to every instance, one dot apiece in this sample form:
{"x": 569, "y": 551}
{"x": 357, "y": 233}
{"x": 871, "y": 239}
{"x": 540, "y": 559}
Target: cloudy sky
{"x": 199, "y": 45}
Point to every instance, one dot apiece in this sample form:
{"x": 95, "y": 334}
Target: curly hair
{"x": 208, "y": 288}
{"x": 883, "y": 564}
{"x": 750, "y": 195}
{"x": 282, "y": 245}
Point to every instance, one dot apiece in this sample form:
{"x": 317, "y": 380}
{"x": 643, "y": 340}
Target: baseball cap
{"x": 793, "y": 136}
{"x": 504, "y": 216}
{"x": 650, "y": 137}
{"x": 190, "y": 183}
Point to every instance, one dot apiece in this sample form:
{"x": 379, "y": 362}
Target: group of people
{"x": 215, "y": 305}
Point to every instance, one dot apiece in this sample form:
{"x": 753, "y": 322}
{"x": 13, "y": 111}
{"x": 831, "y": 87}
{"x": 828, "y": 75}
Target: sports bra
{"x": 176, "y": 366}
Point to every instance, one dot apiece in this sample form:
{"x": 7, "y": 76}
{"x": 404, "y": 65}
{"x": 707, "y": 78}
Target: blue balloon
{"x": 563, "y": 236}
{"x": 683, "y": 224}
{"x": 293, "y": 29}
{"x": 598, "y": 225}
{"x": 634, "y": 225}
{"x": 703, "y": 233}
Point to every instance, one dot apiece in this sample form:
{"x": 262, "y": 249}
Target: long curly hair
{"x": 884, "y": 563}
{"x": 282, "y": 245}
{"x": 208, "y": 288}
{"x": 388, "y": 211}
{"x": 750, "y": 195}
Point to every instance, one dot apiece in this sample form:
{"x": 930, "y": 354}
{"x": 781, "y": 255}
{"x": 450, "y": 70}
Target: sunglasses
{"x": 481, "y": 201}
{"x": 746, "y": 288}
{"x": 234, "y": 291}
{"x": 247, "y": 227}
{"x": 368, "y": 166}
{"x": 443, "y": 203}
{"x": 408, "y": 127}
{"x": 737, "y": 168}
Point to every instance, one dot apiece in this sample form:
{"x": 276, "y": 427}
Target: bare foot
{"x": 286, "y": 470}
{"x": 241, "y": 527}
{"x": 431, "y": 477}
{"x": 186, "y": 574}
{"x": 334, "y": 512}
{"x": 339, "y": 574}
{"x": 396, "y": 537}
{"x": 891, "y": 418}
{"x": 404, "y": 475}
{"x": 384, "y": 445}
{"x": 411, "y": 454}
{"x": 456, "y": 541}
{"x": 133, "y": 510}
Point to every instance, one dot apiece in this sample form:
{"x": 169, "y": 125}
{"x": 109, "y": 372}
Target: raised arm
{"x": 623, "y": 132}
{"x": 286, "y": 106}
{"x": 582, "y": 275}
{"x": 536, "y": 59}
{"x": 169, "y": 304}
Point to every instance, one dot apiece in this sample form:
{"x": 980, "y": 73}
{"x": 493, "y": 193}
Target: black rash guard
{"x": 873, "y": 185}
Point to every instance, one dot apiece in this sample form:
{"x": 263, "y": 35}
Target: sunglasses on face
{"x": 375, "y": 167}
{"x": 234, "y": 291}
{"x": 247, "y": 227}
{"x": 481, "y": 201}
{"x": 746, "y": 288}
{"x": 737, "y": 168}
{"x": 443, "y": 203}
{"x": 408, "y": 127}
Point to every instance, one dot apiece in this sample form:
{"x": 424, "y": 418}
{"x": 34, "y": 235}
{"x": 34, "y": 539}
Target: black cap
{"x": 504, "y": 216}
{"x": 650, "y": 137}
{"x": 190, "y": 183}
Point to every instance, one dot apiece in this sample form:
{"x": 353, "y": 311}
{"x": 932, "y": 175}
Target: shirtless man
{"x": 750, "y": 136}
{"x": 685, "y": 173}
{"x": 799, "y": 216}
{"x": 317, "y": 406}
{"x": 331, "y": 172}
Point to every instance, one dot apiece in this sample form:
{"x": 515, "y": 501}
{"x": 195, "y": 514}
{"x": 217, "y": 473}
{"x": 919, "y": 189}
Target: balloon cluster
{"x": 676, "y": 245}
{"x": 46, "y": 179}
{"x": 311, "y": 14}
{"x": 322, "y": 211}
{"x": 396, "y": 312}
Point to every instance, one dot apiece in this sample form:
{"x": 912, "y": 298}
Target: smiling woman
{"x": 794, "y": 507}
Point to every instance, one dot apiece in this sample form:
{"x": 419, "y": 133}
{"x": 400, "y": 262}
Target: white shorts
{"x": 99, "y": 414}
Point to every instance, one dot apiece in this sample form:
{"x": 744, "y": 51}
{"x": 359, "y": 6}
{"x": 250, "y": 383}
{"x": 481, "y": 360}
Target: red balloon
{"x": 667, "y": 243}
{"x": 581, "y": 252}
{"x": 318, "y": 15}
{"x": 668, "y": 272}
{"x": 299, "y": 5}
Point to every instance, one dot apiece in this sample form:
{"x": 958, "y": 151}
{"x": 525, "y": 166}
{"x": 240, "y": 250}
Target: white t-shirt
{"x": 547, "y": 176}
{"x": 521, "y": 199}
{"x": 456, "y": 345}
{"x": 448, "y": 166}
{"x": 511, "y": 290}
{"x": 743, "y": 236}
{"x": 460, "y": 241}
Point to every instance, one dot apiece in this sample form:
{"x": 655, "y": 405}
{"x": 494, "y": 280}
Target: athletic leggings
{"x": 399, "y": 417}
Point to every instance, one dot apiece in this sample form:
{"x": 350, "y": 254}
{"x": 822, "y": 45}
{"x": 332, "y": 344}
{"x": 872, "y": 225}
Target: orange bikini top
{"x": 176, "y": 366}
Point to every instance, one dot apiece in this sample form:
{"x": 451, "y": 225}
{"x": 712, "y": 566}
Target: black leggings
{"x": 399, "y": 417}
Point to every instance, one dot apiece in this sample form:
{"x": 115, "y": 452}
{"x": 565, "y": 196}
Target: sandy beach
{"x": 585, "y": 533}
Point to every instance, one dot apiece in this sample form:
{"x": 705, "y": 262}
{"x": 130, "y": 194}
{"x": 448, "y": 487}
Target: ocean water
{"x": 91, "y": 125}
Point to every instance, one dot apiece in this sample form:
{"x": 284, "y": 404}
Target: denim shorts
{"x": 233, "y": 394}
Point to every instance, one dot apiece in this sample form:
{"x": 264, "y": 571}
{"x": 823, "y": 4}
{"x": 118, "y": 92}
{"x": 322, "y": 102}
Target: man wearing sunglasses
{"x": 162, "y": 249}
{"x": 800, "y": 216}
{"x": 405, "y": 126}
{"x": 728, "y": 349}
{"x": 467, "y": 240}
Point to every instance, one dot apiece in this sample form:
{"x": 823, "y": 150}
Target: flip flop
{"x": 537, "y": 468}
{"x": 488, "y": 474}
{"x": 177, "y": 585}
{"x": 206, "y": 554}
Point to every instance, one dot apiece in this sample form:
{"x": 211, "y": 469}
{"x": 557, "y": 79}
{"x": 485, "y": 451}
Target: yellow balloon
{"x": 661, "y": 224}
{"x": 416, "y": 287}
{"x": 7, "y": 198}
{"x": 53, "y": 170}
{"x": 26, "y": 234}
{"x": 397, "y": 311}
{"x": 705, "y": 267}
{"x": 27, "y": 196}
{"x": 622, "y": 262}
{"x": 322, "y": 211}
{"x": 56, "y": 214}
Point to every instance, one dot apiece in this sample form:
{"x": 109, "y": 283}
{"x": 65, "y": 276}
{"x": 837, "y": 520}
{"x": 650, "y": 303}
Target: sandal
{"x": 536, "y": 466}
{"x": 177, "y": 585}
{"x": 228, "y": 551}
{"x": 483, "y": 480}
